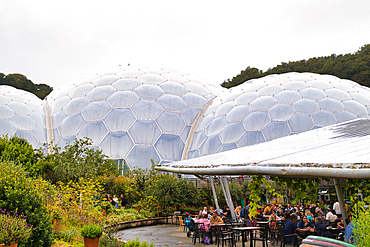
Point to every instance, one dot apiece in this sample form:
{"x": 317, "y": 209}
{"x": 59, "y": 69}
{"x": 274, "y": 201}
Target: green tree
{"x": 20, "y": 151}
{"x": 354, "y": 67}
{"x": 75, "y": 161}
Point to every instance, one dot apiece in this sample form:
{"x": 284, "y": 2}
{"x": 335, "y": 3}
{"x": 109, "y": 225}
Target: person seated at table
{"x": 273, "y": 216}
{"x": 305, "y": 224}
{"x": 226, "y": 213}
{"x": 237, "y": 211}
{"x": 330, "y": 215}
{"x": 204, "y": 210}
{"x": 199, "y": 215}
{"x": 267, "y": 210}
{"x": 309, "y": 215}
{"x": 207, "y": 224}
{"x": 320, "y": 228}
{"x": 215, "y": 219}
{"x": 340, "y": 224}
{"x": 280, "y": 213}
{"x": 291, "y": 228}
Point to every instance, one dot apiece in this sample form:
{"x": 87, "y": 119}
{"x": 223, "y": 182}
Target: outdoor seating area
{"x": 273, "y": 227}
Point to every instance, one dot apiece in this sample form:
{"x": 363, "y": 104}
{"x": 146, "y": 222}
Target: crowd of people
{"x": 298, "y": 219}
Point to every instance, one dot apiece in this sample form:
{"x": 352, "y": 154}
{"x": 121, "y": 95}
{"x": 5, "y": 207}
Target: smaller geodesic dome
{"x": 130, "y": 113}
{"x": 275, "y": 106}
{"x": 22, "y": 115}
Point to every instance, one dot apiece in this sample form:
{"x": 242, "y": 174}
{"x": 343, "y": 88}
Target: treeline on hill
{"x": 355, "y": 67}
{"x": 21, "y": 82}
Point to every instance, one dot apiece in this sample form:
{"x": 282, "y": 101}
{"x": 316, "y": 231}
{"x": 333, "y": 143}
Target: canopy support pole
{"x": 338, "y": 188}
{"x": 229, "y": 201}
{"x": 214, "y": 195}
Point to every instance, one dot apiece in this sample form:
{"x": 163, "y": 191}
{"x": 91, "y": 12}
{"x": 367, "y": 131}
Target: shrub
{"x": 136, "y": 243}
{"x": 110, "y": 241}
{"x": 92, "y": 231}
{"x": 27, "y": 197}
{"x": 67, "y": 235}
{"x": 14, "y": 228}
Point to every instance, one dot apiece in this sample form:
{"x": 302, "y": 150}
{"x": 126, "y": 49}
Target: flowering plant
{"x": 13, "y": 228}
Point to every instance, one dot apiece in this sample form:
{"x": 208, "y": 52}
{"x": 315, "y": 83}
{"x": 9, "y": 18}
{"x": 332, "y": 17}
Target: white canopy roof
{"x": 336, "y": 151}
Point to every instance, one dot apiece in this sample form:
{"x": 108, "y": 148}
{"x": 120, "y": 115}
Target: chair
{"x": 237, "y": 234}
{"x": 283, "y": 238}
{"x": 263, "y": 236}
{"x": 199, "y": 231}
{"x": 284, "y": 242}
{"x": 225, "y": 237}
{"x": 323, "y": 232}
{"x": 274, "y": 231}
{"x": 181, "y": 225}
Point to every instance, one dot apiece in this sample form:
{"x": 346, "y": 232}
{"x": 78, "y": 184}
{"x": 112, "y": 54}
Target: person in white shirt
{"x": 330, "y": 215}
{"x": 205, "y": 211}
{"x": 336, "y": 208}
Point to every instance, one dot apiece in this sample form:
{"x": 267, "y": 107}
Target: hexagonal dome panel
{"x": 71, "y": 125}
{"x": 76, "y": 106}
{"x": 147, "y": 109}
{"x": 275, "y": 129}
{"x": 170, "y": 147}
{"x": 123, "y": 99}
{"x": 251, "y": 138}
{"x": 117, "y": 144}
{"x": 170, "y": 123}
{"x": 119, "y": 119}
{"x": 171, "y": 103}
{"x": 149, "y": 92}
{"x": 281, "y": 112}
{"x": 141, "y": 155}
{"x": 94, "y": 130}
{"x": 96, "y": 111}
{"x": 145, "y": 132}
{"x": 100, "y": 93}
{"x": 232, "y": 132}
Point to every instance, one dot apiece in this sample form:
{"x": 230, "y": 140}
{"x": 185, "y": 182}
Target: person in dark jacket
{"x": 124, "y": 201}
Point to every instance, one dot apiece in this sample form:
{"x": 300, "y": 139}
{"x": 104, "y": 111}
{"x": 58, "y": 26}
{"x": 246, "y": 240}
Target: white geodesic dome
{"x": 135, "y": 114}
{"x": 138, "y": 114}
{"x": 22, "y": 115}
{"x": 275, "y": 106}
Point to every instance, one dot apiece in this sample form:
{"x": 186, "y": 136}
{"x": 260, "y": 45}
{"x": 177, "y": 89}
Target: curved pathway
{"x": 164, "y": 235}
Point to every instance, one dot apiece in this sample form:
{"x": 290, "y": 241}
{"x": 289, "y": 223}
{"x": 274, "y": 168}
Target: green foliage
{"x": 77, "y": 160}
{"x": 110, "y": 241}
{"x": 67, "y": 235}
{"x": 92, "y": 231}
{"x": 27, "y": 197}
{"x": 14, "y": 228}
{"x": 256, "y": 191}
{"x": 19, "y": 150}
{"x": 136, "y": 243}
{"x": 304, "y": 188}
{"x": 361, "y": 222}
{"x": 21, "y": 82}
{"x": 354, "y": 67}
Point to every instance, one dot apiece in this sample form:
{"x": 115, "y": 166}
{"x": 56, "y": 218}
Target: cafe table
{"x": 247, "y": 229}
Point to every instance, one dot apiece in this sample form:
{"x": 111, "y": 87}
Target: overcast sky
{"x": 54, "y": 42}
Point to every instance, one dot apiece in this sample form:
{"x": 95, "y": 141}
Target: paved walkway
{"x": 165, "y": 235}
